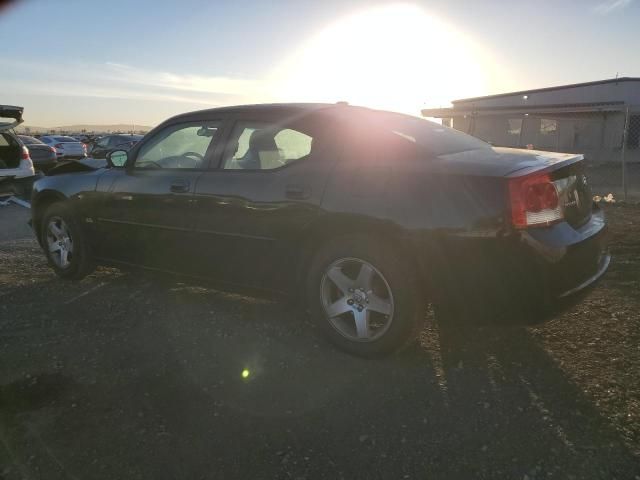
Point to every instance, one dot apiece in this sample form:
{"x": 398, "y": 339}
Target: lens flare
{"x": 396, "y": 57}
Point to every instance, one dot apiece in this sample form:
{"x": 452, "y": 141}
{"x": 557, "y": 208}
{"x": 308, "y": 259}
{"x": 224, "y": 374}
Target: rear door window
{"x": 265, "y": 146}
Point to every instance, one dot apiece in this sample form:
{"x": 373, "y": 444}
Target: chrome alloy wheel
{"x": 59, "y": 242}
{"x": 357, "y": 299}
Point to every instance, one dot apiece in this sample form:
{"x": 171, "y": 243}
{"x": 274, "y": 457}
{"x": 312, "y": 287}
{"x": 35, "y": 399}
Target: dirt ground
{"x": 134, "y": 376}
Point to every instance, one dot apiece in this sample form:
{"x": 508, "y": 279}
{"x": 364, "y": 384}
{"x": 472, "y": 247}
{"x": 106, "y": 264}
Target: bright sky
{"x": 124, "y": 61}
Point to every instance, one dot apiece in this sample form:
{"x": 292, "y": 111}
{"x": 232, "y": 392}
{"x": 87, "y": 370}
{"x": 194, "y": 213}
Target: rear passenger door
{"x": 254, "y": 205}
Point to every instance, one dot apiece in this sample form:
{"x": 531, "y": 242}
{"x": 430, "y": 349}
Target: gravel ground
{"x": 137, "y": 376}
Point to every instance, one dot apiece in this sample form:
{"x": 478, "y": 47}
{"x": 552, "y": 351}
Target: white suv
{"x": 15, "y": 161}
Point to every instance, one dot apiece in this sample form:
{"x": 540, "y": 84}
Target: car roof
{"x": 275, "y": 108}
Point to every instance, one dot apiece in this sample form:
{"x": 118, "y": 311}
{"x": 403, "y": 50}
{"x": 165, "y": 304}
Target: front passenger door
{"x": 147, "y": 214}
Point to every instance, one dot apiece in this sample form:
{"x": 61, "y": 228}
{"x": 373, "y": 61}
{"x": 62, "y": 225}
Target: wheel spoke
{"x": 340, "y": 280}
{"x": 380, "y": 305}
{"x": 365, "y": 277}
{"x": 54, "y": 247}
{"x": 338, "y": 307}
{"x": 55, "y": 230}
{"x": 64, "y": 257}
{"x": 362, "y": 323}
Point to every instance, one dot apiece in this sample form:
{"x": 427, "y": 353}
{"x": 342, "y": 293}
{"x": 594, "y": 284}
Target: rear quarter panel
{"x": 441, "y": 219}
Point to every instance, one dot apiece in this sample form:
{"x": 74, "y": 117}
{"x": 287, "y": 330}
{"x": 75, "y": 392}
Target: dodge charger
{"x": 367, "y": 216}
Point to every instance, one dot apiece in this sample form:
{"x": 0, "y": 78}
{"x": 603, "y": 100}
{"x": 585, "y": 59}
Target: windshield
{"x": 66, "y": 139}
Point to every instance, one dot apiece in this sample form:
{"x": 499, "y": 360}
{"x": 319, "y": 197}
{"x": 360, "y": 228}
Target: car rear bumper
{"x": 603, "y": 265}
{"x": 532, "y": 271}
{"x": 570, "y": 259}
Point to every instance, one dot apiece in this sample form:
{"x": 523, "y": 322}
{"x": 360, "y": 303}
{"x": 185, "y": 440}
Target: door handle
{"x": 179, "y": 186}
{"x": 297, "y": 192}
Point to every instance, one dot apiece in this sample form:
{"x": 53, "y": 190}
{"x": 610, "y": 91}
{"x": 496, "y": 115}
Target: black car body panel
{"x": 447, "y": 213}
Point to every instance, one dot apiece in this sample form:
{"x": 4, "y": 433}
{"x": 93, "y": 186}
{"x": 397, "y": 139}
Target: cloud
{"x": 609, "y": 6}
{"x": 186, "y": 83}
{"x": 116, "y": 80}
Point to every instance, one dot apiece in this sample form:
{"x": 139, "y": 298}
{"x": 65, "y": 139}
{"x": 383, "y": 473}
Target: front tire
{"x": 65, "y": 243}
{"x": 364, "y": 296}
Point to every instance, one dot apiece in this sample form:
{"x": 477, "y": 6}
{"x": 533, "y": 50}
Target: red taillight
{"x": 58, "y": 145}
{"x": 534, "y": 201}
{"x": 25, "y": 153}
{"x": 52, "y": 149}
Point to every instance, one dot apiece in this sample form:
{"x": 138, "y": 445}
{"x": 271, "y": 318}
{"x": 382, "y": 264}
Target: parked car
{"x": 43, "y": 156}
{"x": 16, "y": 165}
{"x": 366, "y": 215}
{"x": 66, "y": 147}
{"x": 101, "y": 146}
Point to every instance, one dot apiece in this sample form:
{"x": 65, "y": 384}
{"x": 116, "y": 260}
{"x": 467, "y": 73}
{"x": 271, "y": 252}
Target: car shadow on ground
{"x": 158, "y": 378}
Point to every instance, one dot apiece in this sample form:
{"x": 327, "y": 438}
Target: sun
{"x": 395, "y": 57}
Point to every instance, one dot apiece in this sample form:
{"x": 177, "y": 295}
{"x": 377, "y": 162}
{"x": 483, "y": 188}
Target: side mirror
{"x": 117, "y": 158}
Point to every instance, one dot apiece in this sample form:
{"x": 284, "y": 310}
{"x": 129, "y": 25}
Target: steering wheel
{"x": 151, "y": 162}
{"x": 193, "y": 154}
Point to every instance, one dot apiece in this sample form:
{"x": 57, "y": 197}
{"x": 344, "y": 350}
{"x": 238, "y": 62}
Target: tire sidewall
{"x": 407, "y": 299}
{"x": 80, "y": 264}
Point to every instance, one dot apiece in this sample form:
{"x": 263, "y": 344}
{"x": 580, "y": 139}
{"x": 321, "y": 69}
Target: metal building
{"x": 588, "y": 118}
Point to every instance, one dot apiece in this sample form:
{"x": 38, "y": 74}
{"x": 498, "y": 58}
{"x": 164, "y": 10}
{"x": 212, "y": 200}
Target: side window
{"x": 263, "y": 146}
{"x": 179, "y": 146}
{"x": 293, "y": 145}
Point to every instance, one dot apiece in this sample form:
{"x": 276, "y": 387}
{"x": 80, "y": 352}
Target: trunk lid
{"x": 10, "y": 112}
{"x": 567, "y": 170}
{"x": 41, "y": 152}
{"x": 72, "y": 148}
{"x": 574, "y": 193}
{"x": 503, "y": 162}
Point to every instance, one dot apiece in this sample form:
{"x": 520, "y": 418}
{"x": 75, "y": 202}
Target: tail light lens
{"x": 534, "y": 201}
{"x": 58, "y": 145}
{"x": 52, "y": 149}
{"x": 25, "y": 159}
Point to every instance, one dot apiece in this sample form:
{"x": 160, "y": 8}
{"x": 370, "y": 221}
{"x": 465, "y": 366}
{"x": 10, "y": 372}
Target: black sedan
{"x": 99, "y": 147}
{"x": 42, "y": 155}
{"x": 366, "y": 215}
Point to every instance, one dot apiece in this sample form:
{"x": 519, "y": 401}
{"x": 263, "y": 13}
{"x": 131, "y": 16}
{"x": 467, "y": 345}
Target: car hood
{"x": 10, "y": 112}
{"x": 504, "y": 162}
{"x": 78, "y": 166}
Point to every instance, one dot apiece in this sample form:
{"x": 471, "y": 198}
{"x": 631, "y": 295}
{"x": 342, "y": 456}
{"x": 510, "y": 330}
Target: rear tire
{"x": 364, "y": 296}
{"x": 65, "y": 243}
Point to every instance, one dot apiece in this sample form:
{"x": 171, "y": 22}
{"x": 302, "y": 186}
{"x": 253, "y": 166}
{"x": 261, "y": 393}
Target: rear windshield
{"x": 435, "y": 138}
{"x": 30, "y": 140}
{"x": 66, "y": 139}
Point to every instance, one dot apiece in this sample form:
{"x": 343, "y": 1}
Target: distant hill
{"x": 119, "y": 127}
